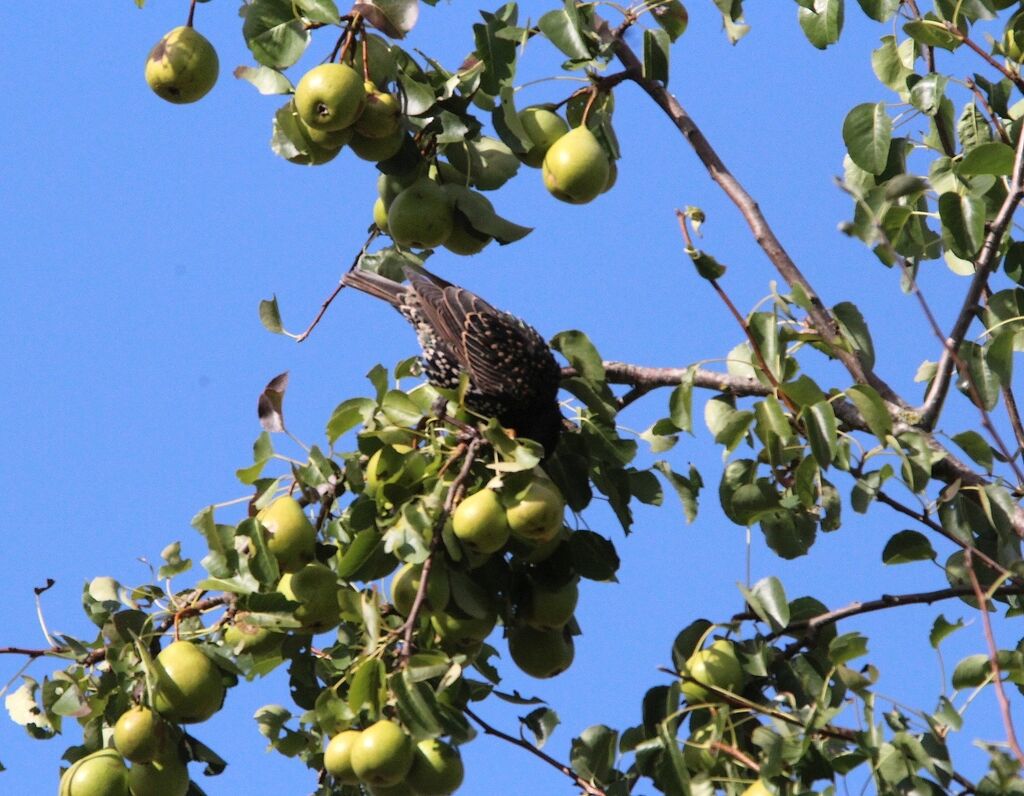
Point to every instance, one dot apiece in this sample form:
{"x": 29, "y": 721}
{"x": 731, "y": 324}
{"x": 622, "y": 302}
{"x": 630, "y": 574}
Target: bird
{"x": 513, "y": 376}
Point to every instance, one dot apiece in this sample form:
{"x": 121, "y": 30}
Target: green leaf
{"x": 270, "y": 315}
{"x": 998, "y": 352}
{"x": 994, "y": 157}
{"x": 855, "y": 329}
{"x": 394, "y": 18}
{"x": 368, "y": 686}
{"x": 266, "y": 80}
{"x": 686, "y": 488}
{"x": 349, "y": 414}
{"x": 656, "y": 55}
{"x": 890, "y": 66}
{"x": 867, "y": 132}
{"x": 907, "y": 546}
{"x": 498, "y": 55}
{"x": 671, "y": 15}
{"x": 822, "y": 23}
{"x": 323, "y": 11}
{"x": 926, "y": 93}
{"x": 931, "y": 32}
{"x": 222, "y": 560}
{"x": 822, "y": 430}
{"x": 872, "y": 408}
{"x": 707, "y": 266}
{"x": 803, "y": 391}
{"x": 847, "y": 647}
{"x": 980, "y": 375}
{"x": 963, "y": 223}
{"x": 972, "y": 128}
{"x": 880, "y": 10}
{"x": 767, "y": 599}
{"x": 593, "y": 556}
{"x": 975, "y": 446}
{"x": 581, "y": 353}
{"x": 541, "y": 722}
{"x": 789, "y": 533}
{"x": 274, "y": 34}
{"x": 680, "y": 402}
{"x": 593, "y": 753}
{"x": 563, "y": 28}
{"x": 941, "y": 629}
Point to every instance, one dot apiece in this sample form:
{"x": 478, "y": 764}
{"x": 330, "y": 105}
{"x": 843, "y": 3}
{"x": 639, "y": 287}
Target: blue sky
{"x": 138, "y": 238}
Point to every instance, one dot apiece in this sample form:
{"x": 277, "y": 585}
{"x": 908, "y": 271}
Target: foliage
{"x": 794, "y": 706}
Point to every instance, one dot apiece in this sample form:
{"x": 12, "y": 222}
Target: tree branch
{"x": 822, "y": 320}
{"x": 588, "y": 789}
{"x": 983, "y": 267}
{"x": 451, "y": 500}
{"x": 993, "y": 655}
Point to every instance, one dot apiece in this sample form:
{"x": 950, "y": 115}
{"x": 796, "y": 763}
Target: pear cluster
{"x": 187, "y": 688}
{"x": 384, "y": 758}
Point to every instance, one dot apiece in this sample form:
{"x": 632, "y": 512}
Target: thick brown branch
{"x": 652, "y": 377}
{"x": 588, "y": 789}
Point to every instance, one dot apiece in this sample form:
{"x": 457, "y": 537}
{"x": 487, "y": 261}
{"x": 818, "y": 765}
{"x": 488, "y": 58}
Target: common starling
{"x": 513, "y": 375}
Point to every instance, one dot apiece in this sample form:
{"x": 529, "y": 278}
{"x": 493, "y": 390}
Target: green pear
{"x": 541, "y": 653}
{"x": 536, "y": 514}
{"x": 188, "y": 688}
{"x": 290, "y": 535}
{"x": 717, "y": 666}
{"x": 183, "y": 66}
{"x": 382, "y": 754}
{"x": 315, "y": 587}
{"x": 381, "y": 116}
{"x": 421, "y": 216}
{"x": 543, "y": 127}
{"x": 407, "y": 582}
{"x": 140, "y": 734}
{"x": 437, "y": 769}
{"x": 101, "y": 773}
{"x": 330, "y": 97}
{"x": 550, "y": 608}
{"x": 576, "y": 168}
{"x": 338, "y": 757}
{"x": 480, "y": 523}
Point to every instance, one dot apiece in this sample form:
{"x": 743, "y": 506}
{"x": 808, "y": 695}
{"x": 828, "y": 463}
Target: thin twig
{"x": 1013, "y": 77}
{"x": 886, "y": 601}
{"x": 993, "y": 654}
{"x": 736, "y": 755}
{"x": 100, "y": 654}
{"x": 337, "y": 290}
{"x": 927, "y": 521}
{"x": 451, "y": 500}
{"x": 588, "y": 788}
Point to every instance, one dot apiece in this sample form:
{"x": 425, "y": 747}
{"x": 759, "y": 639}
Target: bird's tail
{"x": 376, "y": 285}
{"x": 387, "y": 289}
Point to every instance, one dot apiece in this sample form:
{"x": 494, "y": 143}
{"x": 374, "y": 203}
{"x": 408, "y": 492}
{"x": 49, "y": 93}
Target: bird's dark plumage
{"x": 513, "y": 375}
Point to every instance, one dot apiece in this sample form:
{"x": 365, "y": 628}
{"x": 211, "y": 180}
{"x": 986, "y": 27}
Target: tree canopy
{"x": 398, "y": 569}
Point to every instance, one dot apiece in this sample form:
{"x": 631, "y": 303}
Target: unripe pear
{"x": 290, "y": 535}
{"x": 188, "y": 684}
{"x": 140, "y": 734}
{"x": 543, "y": 126}
{"x": 717, "y": 666}
{"x": 338, "y": 757}
{"x": 536, "y": 515}
{"x": 550, "y": 608}
{"x": 541, "y": 653}
{"x": 437, "y": 769}
{"x": 183, "y": 66}
{"x": 382, "y": 754}
{"x": 315, "y": 587}
{"x": 421, "y": 216}
{"x": 330, "y": 96}
{"x": 576, "y": 167}
{"x": 377, "y": 149}
{"x": 101, "y": 773}
{"x": 381, "y": 115}
{"x": 407, "y": 582}
{"x": 380, "y": 215}
{"x": 162, "y": 777}
{"x": 480, "y": 523}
